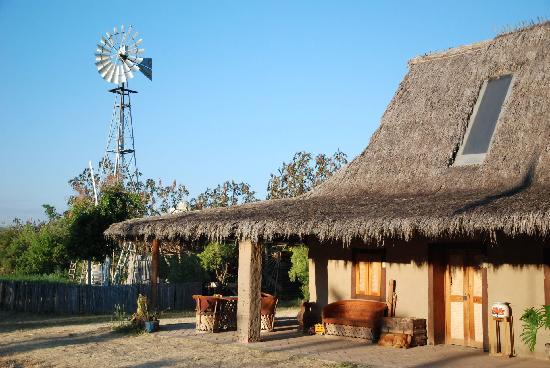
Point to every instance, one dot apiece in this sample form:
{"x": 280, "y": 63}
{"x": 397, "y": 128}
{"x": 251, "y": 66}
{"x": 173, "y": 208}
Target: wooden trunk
{"x": 416, "y": 327}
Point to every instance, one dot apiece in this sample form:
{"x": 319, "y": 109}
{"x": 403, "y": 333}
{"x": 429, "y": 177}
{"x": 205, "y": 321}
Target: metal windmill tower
{"x": 117, "y": 56}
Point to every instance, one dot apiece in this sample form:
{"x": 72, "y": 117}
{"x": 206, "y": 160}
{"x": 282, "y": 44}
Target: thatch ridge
{"x": 402, "y": 185}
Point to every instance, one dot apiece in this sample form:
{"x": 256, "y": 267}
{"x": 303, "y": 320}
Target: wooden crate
{"x": 416, "y": 327}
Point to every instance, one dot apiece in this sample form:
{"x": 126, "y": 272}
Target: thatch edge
{"x": 343, "y": 230}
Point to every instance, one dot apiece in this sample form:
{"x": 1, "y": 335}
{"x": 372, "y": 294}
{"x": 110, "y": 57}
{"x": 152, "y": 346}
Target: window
{"x": 483, "y": 121}
{"x": 369, "y": 276}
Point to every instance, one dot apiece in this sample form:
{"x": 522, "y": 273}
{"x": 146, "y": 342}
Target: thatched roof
{"x": 402, "y": 185}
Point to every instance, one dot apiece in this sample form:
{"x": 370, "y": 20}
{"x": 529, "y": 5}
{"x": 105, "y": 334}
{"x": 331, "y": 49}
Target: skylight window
{"x": 483, "y": 121}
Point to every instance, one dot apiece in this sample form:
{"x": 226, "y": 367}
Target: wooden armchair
{"x": 269, "y": 306}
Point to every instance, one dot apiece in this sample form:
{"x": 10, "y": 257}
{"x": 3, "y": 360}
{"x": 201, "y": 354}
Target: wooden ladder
{"x": 122, "y": 263}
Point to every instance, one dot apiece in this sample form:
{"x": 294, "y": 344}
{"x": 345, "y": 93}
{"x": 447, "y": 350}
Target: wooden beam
{"x": 436, "y": 296}
{"x": 155, "y": 245}
{"x": 249, "y": 288}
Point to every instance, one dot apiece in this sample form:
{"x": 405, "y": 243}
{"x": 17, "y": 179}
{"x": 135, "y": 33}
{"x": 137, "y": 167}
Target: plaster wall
{"x": 406, "y": 264}
{"x": 515, "y": 274}
{"x": 522, "y": 287}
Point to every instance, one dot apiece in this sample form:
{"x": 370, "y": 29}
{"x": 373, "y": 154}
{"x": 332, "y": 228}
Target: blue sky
{"x": 238, "y": 87}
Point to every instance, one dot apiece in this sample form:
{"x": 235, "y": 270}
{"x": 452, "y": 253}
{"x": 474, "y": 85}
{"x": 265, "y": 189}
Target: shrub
{"x": 534, "y": 319}
{"x": 185, "y": 267}
{"x": 219, "y": 259}
{"x": 300, "y": 269}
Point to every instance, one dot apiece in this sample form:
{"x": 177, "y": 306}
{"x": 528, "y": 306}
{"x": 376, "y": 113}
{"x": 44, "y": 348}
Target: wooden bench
{"x": 354, "y": 318}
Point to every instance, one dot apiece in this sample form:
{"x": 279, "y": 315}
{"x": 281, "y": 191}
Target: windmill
{"x": 117, "y": 56}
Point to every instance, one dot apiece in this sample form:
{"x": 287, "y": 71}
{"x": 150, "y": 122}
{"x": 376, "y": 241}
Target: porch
{"x": 287, "y": 340}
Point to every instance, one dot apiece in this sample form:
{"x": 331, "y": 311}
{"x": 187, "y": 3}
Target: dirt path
{"x": 89, "y": 342}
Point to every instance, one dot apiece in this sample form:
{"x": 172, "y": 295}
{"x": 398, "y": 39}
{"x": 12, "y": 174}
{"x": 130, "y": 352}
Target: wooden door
{"x": 464, "y": 300}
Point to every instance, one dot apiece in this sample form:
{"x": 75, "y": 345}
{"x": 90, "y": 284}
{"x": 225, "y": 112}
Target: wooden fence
{"x": 44, "y": 297}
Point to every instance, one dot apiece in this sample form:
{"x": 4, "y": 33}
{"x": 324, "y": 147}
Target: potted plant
{"x": 533, "y": 320}
{"x": 143, "y": 319}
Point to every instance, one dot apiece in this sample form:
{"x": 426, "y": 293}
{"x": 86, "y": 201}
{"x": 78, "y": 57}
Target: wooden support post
{"x": 154, "y": 273}
{"x": 249, "y": 288}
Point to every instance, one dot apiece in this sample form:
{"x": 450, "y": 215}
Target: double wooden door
{"x": 464, "y": 322}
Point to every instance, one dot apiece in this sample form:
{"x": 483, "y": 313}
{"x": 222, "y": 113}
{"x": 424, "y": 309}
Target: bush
{"x": 34, "y": 248}
{"x": 185, "y": 267}
{"x": 534, "y": 319}
{"x": 54, "y": 277}
{"x": 300, "y": 269}
{"x": 220, "y": 259}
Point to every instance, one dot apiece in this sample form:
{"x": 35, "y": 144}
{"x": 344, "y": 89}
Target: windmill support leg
{"x": 154, "y": 273}
{"x": 249, "y": 288}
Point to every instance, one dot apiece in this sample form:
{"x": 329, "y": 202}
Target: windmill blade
{"x": 135, "y": 50}
{"x": 106, "y": 41}
{"x": 109, "y": 76}
{"x": 100, "y": 57}
{"x": 135, "y": 60}
{"x": 114, "y": 78}
{"x": 131, "y": 65}
{"x": 126, "y": 34}
{"x": 105, "y": 70}
{"x": 102, "y": 48}
{"x": 146, "y": 67}
{"x": 101, "y": 63}
{"x": 127, "y": 70}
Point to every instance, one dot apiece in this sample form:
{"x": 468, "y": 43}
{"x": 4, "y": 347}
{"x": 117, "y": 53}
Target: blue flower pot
{"x": 151, "y": 326}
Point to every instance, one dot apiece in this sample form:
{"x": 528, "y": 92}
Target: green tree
{"x": 88, "y": 221}
{"x": 51, "y": 212}
{"x": 303, "y": 173}
{"x": 12, "y": 246}
{"x": 184, "y": 267}
{"x": 35, "y": 248}
{"x": 42, "y": 249}
{"x": 157, "y": 197}
{"x": 299, "y": 271}
{"x": 226, "y": 194}
{"x": 161, "y": 199}
{"x": 220, "y": 259}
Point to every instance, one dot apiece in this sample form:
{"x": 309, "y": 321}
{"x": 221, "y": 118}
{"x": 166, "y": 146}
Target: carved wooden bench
{"x": 354, "y": 318}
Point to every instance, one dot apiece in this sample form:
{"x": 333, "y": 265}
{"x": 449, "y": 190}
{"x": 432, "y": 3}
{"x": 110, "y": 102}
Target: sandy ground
{"x": 39, "y": 341}
{"x": 35, "y": 341}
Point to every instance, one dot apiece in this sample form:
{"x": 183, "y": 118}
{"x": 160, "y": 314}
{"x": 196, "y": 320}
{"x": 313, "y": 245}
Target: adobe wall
{"x": 330, "y": 268}
{"x": 406, "y": 264}
{"x": 330, "y": 275}
{"x": 514, "y": 275}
